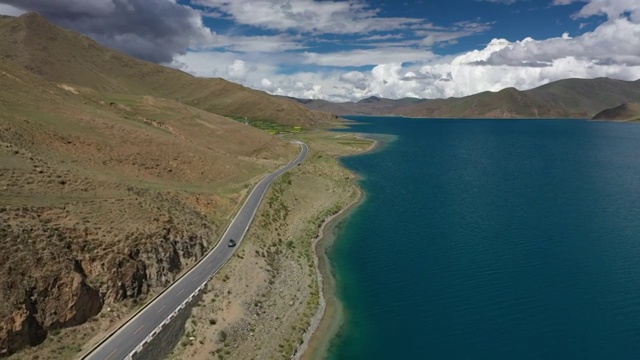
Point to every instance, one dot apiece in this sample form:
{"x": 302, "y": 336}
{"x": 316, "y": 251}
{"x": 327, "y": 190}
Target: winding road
{"x": 129, "y": 336}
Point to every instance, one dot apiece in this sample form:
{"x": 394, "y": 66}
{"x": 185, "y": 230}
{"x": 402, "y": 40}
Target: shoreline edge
{"x": 315, "y": 342}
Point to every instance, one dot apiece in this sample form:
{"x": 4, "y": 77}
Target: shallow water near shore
{"x": 492, "y": 239}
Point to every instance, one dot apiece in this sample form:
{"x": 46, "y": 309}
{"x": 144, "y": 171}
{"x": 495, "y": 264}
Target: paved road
{"x": 127, "y": 338}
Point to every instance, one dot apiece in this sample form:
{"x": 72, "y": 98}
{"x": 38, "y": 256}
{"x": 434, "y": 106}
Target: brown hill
{"x": 624, "y": 112}
{"x": 104, "y": 198}
{"x": 63, "y": 56}
{"x": 368, "y": 106}
{"x": 571, "y": 98}
{"x": 587, "y": 96}
{"x": 507, "y": 103}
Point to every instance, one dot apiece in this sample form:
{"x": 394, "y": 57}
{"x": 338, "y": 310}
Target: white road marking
{"x": 111, "y": 354}
{"x": 140, "y": 328}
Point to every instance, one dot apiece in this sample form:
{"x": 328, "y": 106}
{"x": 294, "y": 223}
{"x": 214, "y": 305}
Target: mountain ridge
{"x": 568, "y": 98}
{"x": 624, "y": 112}
{"x": 64, "y": 56}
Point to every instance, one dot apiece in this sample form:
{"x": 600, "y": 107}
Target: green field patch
{"x": 268, "y": 126}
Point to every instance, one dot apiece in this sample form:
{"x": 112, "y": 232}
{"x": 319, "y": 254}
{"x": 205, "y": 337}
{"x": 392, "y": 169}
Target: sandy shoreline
{"x": 328, "y": 318}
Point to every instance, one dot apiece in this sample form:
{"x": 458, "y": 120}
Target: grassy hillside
{"x": 587, "y": 97}
{"x": 63, "y": 56}
{"x": 624, "y": 112}
{"x": 105, "y": 197}
{"x": 506, "y": 103}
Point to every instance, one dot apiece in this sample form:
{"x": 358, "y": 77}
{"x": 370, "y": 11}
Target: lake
{"x": 492, "y": 239}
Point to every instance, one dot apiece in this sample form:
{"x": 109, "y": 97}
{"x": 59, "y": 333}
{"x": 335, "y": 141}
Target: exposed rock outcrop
{"x": 53, "y": 301}
{"x": 55, "y": 287}
{"x": 20, "y": 329}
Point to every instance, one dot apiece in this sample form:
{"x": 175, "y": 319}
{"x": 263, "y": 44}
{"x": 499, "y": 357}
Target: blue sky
{"x": 478, "y": 21}
{"x": 512, "y": 22}
{"x": 344, "y": 50}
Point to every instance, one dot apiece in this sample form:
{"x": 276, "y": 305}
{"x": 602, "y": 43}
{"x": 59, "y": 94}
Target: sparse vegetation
{"x": 269, "y": 126}
{"x": 222, "y": 336}
{"x": 624, "y": 112}
{"x": 274, "y": 282}
{"x": 99, "y": 189}
{"x": 116, "y": 174}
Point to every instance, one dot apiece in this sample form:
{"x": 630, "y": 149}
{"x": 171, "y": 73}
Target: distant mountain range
{"x": 63, "y": 56}
{"x": 571, "y": 98}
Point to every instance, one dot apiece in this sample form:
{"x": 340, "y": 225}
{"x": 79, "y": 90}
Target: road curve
{"x": 125, "y": 340}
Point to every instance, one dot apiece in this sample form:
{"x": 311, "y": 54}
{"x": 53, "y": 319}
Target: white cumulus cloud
{"x": 612, "y": 9}
{"x": 310, "y": 16}
{"x": 610, "y": 50}
{"x": 10, "y": 10}
{"x": 237, "y": 70}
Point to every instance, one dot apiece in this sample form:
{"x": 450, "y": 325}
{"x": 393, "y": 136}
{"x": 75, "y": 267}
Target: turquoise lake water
{"x": 492, "y": 240}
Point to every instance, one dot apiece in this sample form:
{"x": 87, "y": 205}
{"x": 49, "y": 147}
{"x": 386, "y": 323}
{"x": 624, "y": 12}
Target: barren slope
{"x": 104, "y": 200}
{"x": 624, "y": 112}
{"x": 507, "y": 103}
{"x": 64, "y": 56}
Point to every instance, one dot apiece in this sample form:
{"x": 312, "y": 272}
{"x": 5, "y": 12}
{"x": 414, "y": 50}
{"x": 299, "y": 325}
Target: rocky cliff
{"x": 61, "y": 285}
